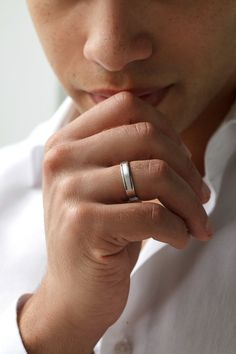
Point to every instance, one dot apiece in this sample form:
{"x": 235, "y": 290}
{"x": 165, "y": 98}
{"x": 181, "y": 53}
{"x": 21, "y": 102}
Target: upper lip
{"x": 135, "y": 91}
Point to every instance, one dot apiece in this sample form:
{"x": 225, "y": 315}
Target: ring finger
{"x": 152, "y": 179}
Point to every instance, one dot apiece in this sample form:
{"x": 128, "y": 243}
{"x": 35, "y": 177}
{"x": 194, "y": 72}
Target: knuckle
{"x": 50, "y": 163}
{"x": 125, "y": 98}
{"x": 81, "y": 214}
{"x": 54, "y": 157}
{"x": 158, "y": 169}
{"x": 189, "y": 166}
{"x": 156, "y": 212}
{"x": 145, "y": 129}
{"x": 89, "y": 220}
{"x": 68, "y": 186}
{"x": 51, "y": 142}
{"x": 128, "y": 104}
{"x": 85, "y": 225}
{"x": 75, "y": 186}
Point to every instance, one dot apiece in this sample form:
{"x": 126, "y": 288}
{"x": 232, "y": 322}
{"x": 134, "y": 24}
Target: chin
{"x": 177, "y": 109}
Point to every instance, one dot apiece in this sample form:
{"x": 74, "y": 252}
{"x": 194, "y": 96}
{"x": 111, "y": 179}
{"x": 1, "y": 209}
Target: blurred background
{"x": 30, "y": 92}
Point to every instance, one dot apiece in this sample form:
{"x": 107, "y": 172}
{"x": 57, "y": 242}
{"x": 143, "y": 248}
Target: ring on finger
{"x": 127, "y": 179}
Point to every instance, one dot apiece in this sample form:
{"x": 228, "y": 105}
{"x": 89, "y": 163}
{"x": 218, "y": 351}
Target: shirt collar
{"x": 219, "y": 151}
{"x": 39, "y": 136}
{"x": 66, "y": 112}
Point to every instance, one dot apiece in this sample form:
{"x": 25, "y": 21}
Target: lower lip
{"x": 154, "y": 98}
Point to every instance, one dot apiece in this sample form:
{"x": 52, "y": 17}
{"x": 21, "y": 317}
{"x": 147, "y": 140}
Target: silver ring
{"x": 128, "y": 181}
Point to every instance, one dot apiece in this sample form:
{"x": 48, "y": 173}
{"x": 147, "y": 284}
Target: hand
{"x": 93, "y": 235}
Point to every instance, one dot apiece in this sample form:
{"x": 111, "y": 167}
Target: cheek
{"x": 198, "y": 38}
{"x": 202, "y": 49}
{"x": 62, "y": 35}
{"x": 198, "y": 49}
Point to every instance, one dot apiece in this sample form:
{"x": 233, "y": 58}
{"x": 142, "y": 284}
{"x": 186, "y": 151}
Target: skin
{"x": 110, "y": 44}
{"x": 118, "y": 45}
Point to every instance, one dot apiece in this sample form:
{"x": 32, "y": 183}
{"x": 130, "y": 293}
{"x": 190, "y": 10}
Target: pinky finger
{"x": 132, "y": 222}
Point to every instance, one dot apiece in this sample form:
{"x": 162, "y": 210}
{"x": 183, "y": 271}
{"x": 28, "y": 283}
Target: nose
{"x": 115, "y": 39}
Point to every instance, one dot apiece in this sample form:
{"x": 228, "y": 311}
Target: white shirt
{"x": 180, "y": 302}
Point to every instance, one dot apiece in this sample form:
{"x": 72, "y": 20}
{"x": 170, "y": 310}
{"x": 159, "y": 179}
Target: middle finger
{"x": 140, "y": 141}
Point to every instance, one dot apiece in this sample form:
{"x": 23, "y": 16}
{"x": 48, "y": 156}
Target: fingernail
{"x": 187, "y": 151}
{"x": 206, "y": 192}
{"x": 209, "y": 228}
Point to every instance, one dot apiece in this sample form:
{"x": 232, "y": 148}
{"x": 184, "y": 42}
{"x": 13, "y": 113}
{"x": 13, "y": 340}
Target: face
{"x": 120, "y": 44}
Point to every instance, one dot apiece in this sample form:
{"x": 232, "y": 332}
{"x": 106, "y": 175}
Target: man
{"x": 177, "y": 60}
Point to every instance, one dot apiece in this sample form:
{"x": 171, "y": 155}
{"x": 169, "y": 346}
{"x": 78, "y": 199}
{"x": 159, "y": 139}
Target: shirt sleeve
{"x": 10, "y": 338}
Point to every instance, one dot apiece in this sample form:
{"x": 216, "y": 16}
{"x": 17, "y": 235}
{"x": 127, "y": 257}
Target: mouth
{"x": 154, "y": 98}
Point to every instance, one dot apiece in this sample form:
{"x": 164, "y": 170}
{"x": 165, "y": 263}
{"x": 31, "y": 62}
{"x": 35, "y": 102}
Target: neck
{"x": 199, "y": 133}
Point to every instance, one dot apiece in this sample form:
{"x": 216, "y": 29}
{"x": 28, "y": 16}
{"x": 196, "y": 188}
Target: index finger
{"x": 120, "y": 109}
